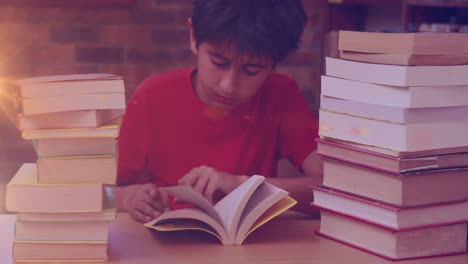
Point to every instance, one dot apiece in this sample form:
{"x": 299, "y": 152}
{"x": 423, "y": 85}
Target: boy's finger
{"x": 140, "y": 216}
{"x": 178, "y": 201}
{"x": 149, "y": 190}
{"x": 165, "y": 200}
{"x": 150, "y": 210}
{"x": 156, "y": 205}
{"x": 209, "y": 190}
{"x": 189, "y": 178}
{"x": 201, "y": 184}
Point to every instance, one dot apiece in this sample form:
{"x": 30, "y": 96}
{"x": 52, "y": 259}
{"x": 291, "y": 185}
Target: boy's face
{"x": 224, "y": 79}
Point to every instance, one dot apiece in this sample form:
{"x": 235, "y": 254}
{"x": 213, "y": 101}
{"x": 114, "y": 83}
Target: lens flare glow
{"x": 8, "y": 101}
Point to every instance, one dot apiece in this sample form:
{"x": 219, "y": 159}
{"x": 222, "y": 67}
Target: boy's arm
{"x": 299, "y": 187}
{"x": 207, "y": 180}
{"x": 135, "y": 193}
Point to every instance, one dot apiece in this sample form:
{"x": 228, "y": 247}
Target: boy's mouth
{"x": 224, "y": 100}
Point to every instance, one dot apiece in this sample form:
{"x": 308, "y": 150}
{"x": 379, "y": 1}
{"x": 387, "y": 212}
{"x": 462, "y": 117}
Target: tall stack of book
{"x": 393, "y": 128}
{"x": 63, "y": 201}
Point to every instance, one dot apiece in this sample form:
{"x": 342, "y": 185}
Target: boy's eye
{"x": 251, "y": 71}
{"x": 220, "y": 62}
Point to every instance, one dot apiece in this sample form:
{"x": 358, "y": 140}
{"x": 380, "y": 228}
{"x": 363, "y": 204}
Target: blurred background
{"x": 137, "y": 38}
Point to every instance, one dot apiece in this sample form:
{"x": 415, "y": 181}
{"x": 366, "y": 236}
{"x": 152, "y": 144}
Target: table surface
{"x": 290, "y": 238}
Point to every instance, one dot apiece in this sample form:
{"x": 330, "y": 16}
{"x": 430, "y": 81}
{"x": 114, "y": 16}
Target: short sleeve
{"x": 298, "y": 127}
{"x": 133, "y": 140}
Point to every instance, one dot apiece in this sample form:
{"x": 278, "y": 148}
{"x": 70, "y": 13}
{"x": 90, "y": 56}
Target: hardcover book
{"x": 397, "y": 75}
{"x": 77, "y": 169}
{"x": 72, "y": 84}
{"x": 420, "y": 43}
{"x": 59, "y": 251}
{"x": 62, "y": 231}
{"x": 70, "y": 119}
{"x": 397, "y": 136}
{"x": 406, "y": 59}
{"x": 390, "y": 216}
{"x": 414, "y": 188}
{"x": 77, "y": 146}
{"x": 107, "y": 131}
{"x": 362, "y": 155}
{"x": 25, "y": 194}
{"x": 394, "y": 245}
{"x": 391, "y": 95}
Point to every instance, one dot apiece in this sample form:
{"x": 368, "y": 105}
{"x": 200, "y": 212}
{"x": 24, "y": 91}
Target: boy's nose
{"x": 228, "y": 83}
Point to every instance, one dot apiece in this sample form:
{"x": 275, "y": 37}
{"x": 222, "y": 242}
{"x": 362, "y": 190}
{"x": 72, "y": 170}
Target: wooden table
{"x": 287, "y": 239}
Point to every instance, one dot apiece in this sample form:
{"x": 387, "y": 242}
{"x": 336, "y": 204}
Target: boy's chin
{"x": 216, "y": 111}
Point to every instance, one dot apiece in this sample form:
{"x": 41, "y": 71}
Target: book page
{"x": 263, "y": 198}
{"x": 185, "y": 224}
{"x": 189, "y": 195}
{"x": 230, "y": 208}
{"x": 189, "y": 218}
{"x": 275, "y": 210}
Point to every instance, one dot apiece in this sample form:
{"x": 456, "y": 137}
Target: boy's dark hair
{"x": 264, "y": 28}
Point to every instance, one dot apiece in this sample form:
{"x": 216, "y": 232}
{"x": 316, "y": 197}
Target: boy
{"x": 229, "y": 118}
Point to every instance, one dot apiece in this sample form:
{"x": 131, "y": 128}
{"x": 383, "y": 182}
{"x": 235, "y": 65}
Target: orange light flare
{"x": 8, "y": 102}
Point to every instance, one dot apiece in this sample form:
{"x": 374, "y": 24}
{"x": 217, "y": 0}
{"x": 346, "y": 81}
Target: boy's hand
{"x": 207, "y": 180}
{"x": 142, "y": 201}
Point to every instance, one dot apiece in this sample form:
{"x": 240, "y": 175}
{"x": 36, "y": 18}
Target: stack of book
{"x": 394, "y": 144}
{"x": 63, "y": 201}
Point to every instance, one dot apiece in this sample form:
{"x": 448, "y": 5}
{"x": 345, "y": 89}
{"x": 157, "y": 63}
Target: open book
{"x": 233, "y": 218}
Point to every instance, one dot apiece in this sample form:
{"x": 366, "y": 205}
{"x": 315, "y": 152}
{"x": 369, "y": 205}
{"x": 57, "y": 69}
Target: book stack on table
{"x": 393, "y": 137}
{"x": 63, "y": 201}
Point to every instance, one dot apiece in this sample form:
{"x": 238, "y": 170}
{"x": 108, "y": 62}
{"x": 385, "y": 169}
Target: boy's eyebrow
{"x": 255, "y": 65}
{"x": 216, "y": 54}
{"x": 213, "y": 53}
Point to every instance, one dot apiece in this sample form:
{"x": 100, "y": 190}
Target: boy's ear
{"x": 193, "y": 39}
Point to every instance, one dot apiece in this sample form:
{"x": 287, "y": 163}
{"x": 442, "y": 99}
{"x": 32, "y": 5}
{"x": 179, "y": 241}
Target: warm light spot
{"x": 326, "y": 127}
{"x": 360, "y": 131}
{"x": 103, "y": 97}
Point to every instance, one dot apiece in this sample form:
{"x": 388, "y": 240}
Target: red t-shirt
{"x": 167, "y": 131}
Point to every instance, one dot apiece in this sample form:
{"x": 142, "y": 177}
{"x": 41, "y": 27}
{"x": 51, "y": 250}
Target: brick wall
{"x": 146, "y": 38}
